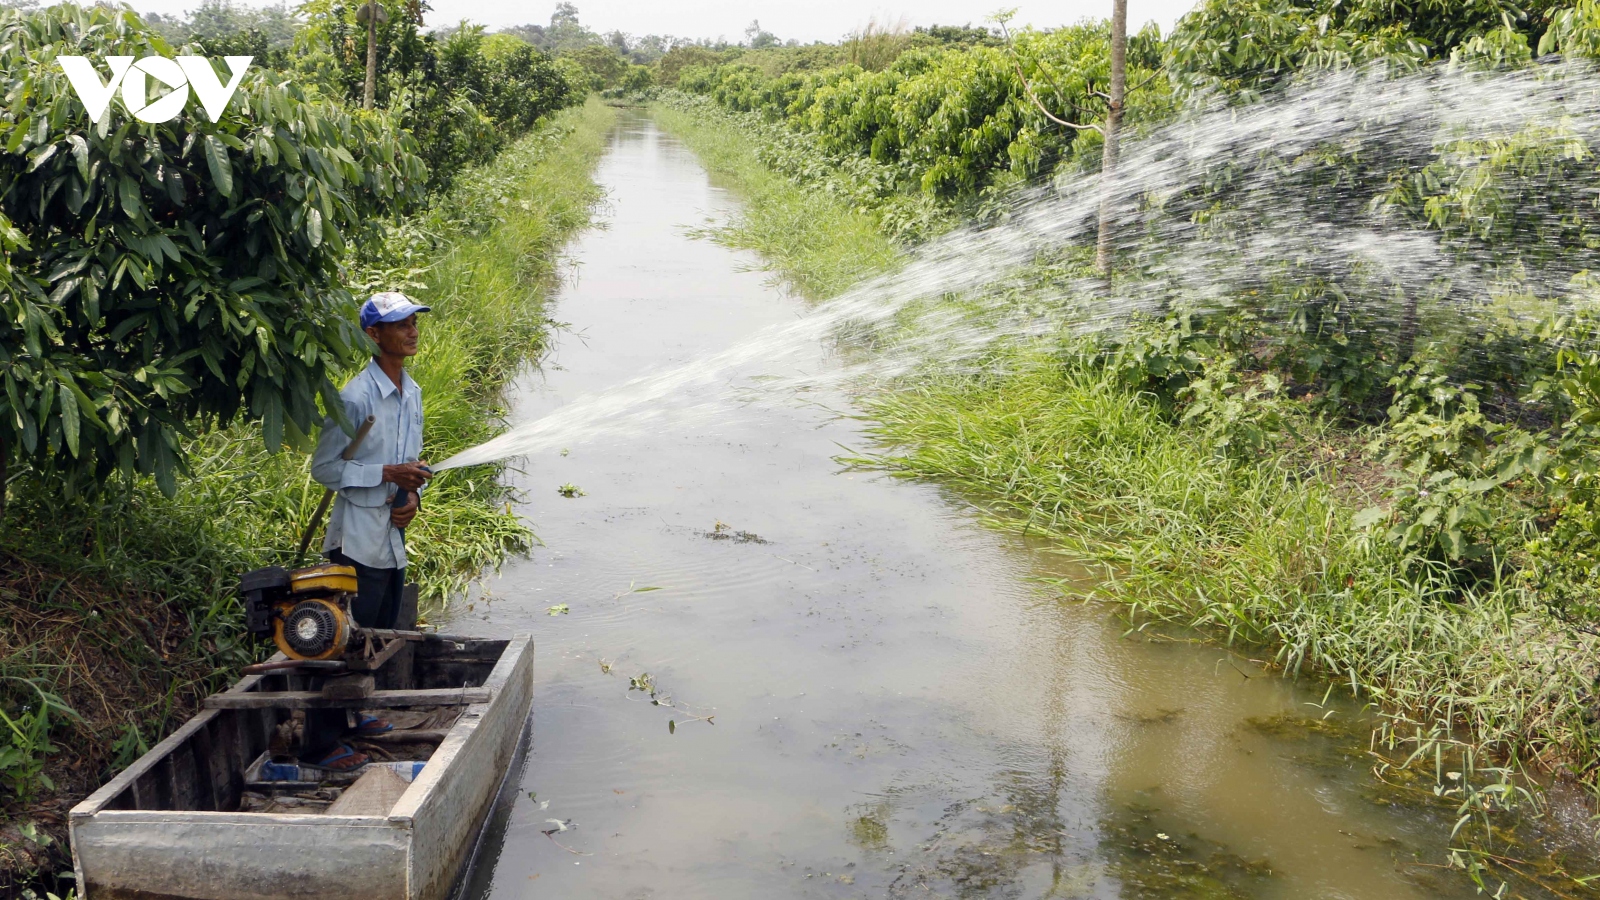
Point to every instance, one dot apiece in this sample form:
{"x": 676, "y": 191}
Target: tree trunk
{"x": 368, "y": 94}
{"x": 1410, "y": 322}
{"x": 1113, "y": 132}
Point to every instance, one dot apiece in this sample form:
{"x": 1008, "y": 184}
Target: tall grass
{"x": 816, "y": 241}
{"x": 1262, "y": 554}
{"x": 483, "y": 258}
{"x": 878, "y": 44}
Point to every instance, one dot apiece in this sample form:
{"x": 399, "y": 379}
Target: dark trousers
{"x": 377, "y": 605}
{"x": 377, "y": 592}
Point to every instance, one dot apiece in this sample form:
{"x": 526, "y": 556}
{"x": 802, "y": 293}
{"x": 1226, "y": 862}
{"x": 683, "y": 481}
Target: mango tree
{"x": 464, "y": 96}
{"x": 162, "y": 276}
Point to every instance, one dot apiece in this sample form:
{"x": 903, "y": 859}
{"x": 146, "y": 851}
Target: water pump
{"x": 306, "y": 612}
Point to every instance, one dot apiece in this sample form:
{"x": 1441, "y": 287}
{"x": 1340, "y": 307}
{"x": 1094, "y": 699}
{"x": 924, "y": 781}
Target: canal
{"x": 761, "y": 674}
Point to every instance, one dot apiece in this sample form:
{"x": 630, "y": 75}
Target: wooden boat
{"x": 173, "y": 826}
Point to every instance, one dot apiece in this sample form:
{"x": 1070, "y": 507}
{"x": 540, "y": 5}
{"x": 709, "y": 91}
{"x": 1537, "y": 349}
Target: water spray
{"x": 1276, "y": 227}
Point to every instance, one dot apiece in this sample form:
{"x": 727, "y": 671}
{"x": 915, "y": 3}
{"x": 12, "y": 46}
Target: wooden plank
{"x": 349, "y": 687}
{"x": 429, "y": 637}
{"x": 206, "y": 759}
{"x": 154, "y": 792}
{"x": 440, "y": 673}
{"x": 476, "y": 651}
{"x": 379, "y": 699}
{"x": 406, "y": 736}
{"x": 396, "y": 674}
{"x": 184, "y": 775}
{"x": 129, "y": 776}
{"x": 264, "y": 722}
{"x": 378, "y": 659}
{"x": 457, "y": 646}
{"x": 122, "y": 800}
{"x": 227, "y": 761}
{"x": 446, "y": 803}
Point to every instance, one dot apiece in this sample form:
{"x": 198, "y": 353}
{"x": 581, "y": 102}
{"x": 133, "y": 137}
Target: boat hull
{"x": 414, "y": 852}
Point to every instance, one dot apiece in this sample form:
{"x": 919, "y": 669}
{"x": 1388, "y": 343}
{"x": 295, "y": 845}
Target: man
{"x": 367, "y": 528}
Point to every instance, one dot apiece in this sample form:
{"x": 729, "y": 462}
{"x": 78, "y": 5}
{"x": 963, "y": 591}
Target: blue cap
{"x": 389, "y": 306}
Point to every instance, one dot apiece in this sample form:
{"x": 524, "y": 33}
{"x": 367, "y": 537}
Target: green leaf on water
{"x": 560, "y": 609}
{"x": 672, "y": 727}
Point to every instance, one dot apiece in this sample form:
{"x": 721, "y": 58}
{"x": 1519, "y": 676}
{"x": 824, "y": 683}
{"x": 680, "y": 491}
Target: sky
{"x": 811, "y": 20}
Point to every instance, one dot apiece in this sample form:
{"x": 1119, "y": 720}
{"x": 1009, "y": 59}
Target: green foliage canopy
{"x": 464, "y": 97}
{"x": 1241, "y": 48}
{"x": 954, "y": 120}
{"x": 156, "y": 274}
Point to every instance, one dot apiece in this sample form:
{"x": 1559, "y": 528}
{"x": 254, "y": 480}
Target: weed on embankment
{"x": 123, "y": 606}
{"x": 819, "y": 243}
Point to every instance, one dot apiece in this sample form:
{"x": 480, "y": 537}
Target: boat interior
{"x": 218, "y": 762}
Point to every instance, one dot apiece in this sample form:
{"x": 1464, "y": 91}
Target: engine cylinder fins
{"x": 313, "y": 629}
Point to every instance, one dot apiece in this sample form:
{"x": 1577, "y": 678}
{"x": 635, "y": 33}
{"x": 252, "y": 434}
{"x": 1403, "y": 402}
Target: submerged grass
{"x": 124, "y": 604}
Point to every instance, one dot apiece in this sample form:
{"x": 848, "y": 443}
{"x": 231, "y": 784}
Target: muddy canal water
{"x": 893, "y": 704}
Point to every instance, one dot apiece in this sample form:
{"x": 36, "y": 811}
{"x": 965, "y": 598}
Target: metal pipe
{"x": 327, "y": 495}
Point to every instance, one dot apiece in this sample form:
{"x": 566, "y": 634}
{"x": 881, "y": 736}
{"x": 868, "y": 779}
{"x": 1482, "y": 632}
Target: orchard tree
{"x": 159, "y": 276}
{"x": 1113, "y": 134}
{"x": 463, "y": 96}
{"x": 1245, "y": 48}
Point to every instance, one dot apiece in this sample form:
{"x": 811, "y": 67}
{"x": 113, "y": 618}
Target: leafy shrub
{"x": 1159, "y": 356}
{"x": 161, "y": 273}
{"x": 1574, "y": 30}
{"x": 464, "y": 97}
{"x": 1243, "y": 48}
{"x": 25, "y": 741}
{"x": 950, "y": 120}
{"x": 1450, "y": 507}
{"x": 1573, "y": 474}
{"x": 1242, "y": 418}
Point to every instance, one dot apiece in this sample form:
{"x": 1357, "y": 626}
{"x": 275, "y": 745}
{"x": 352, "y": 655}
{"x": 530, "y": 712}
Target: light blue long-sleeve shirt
{"x": 360, "y": 523}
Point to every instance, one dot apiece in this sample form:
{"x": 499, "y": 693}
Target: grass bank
{"x": 117, "y": 612}
{"x": 1208, "y": 521}
{"x": 1262, "y": 553}
{"x": 816, "y": 236}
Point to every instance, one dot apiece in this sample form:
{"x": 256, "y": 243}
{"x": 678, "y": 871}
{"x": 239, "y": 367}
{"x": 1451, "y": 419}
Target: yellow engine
{"x": 306, "y": 611}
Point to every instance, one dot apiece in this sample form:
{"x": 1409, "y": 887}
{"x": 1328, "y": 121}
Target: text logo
{"x": 178, "y": 75}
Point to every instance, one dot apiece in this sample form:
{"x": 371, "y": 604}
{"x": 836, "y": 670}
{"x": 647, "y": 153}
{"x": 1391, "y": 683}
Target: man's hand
{"x": 407, "y": 475}
{"x": 402, "y": 517}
